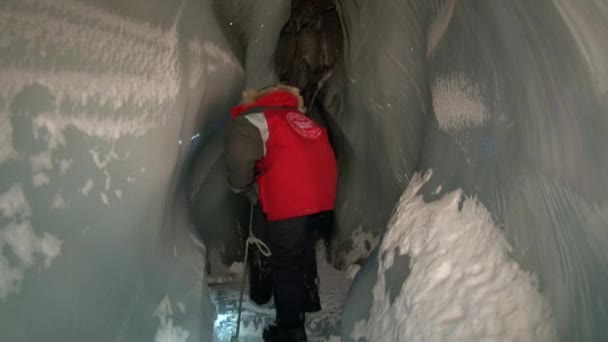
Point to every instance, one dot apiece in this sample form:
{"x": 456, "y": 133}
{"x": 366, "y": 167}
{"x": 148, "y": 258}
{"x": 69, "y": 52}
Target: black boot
{"x": 313, "y": 302}
{"x": 260, "y": 278}
{"x": 275, "y": 333}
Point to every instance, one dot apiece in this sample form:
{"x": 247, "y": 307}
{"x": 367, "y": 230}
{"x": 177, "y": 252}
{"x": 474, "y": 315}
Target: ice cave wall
{"x": 100, "y": 104}
{"x": 109, "y": 121}
{"x": 516, "y": 114}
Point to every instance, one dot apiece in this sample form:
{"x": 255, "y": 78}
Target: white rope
{"x": 251, "y": 240}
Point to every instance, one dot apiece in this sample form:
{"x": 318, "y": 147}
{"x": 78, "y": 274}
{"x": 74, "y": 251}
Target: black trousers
{"x": 293, "y": 262}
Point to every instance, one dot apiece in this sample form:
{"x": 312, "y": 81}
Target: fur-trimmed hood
{"x": 279, "y": 96}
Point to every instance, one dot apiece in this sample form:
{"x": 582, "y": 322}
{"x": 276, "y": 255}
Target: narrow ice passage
{"x": 114, "y": 205}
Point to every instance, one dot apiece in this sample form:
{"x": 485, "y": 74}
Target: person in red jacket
{"x": 277, "y": 154}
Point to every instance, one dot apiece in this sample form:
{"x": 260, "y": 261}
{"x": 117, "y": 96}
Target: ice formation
{"x": 363, "y": 243}
{"x": 13, "y": 203}
{"x": 440, "y": 25}
{"x": 352, "y": 271}
{"x": 59, "y": 202}
{"x": 65, "y": 165}
{"x": 41, "y": 161}
{"x": 39, "y": 179}
{"x": 463, "y": 285}
{"x": 87, "y": 187}
{"x": 26, "y": 246}
{"x": 458, "y": 104}
{"x": 7, "y": 150}
{"x": 132, "y": 68}
{"x": 167, "y": 332}
{"x": 104, "y": 199}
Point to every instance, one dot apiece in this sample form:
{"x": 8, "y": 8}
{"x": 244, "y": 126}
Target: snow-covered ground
{"x": 463, "y": 284}
{"x": 320, "y": 326}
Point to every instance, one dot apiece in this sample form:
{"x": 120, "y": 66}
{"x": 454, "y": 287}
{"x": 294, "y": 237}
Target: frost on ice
{"x": 59, "y": 202}
{"x": 28, "y": 247}
{"x": 463, "y": 286}
{"x": 166, "y": 331}
{"x": 458, "y": 104}
{"x": 123, "y": 85}
{"x": 13, "y": 203}
{"x": 137, "y": 67}
{"x": 39, "y": 179}
{"x": 363, "y": 243}
{"x": 41, "y": 161}
{"x": 7, "y": 150}
{"x": 87, "y": 187}
{"x": 108, "y": 179}
{"x": 104, "y": 199}
{"x": 65, "y": 165}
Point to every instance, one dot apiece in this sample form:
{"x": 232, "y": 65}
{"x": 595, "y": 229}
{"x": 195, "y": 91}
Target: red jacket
{"x": 296, "y": 169}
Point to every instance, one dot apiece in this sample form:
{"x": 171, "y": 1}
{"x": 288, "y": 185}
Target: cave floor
{"x": 320, "y": 326}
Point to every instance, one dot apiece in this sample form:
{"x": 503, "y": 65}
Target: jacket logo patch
{"x": 303, "y": 125}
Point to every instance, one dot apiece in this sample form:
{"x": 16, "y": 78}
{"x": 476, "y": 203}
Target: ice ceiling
{"x": 112, "y": 193}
